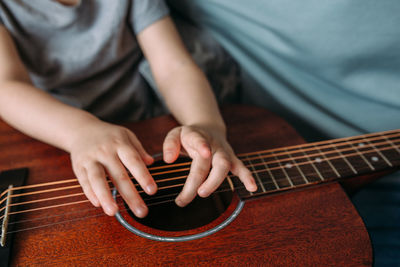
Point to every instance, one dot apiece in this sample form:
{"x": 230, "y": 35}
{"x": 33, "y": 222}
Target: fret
{"x": 255, "y": 173}
{"x": 269, "y": 172}
{"x": 279, "y": 172}
{"x": 303, "y": 165}
{"x": 329, "y": 162}
{"x": 352, "y": 156}
{"x": 286, "y": 168}
{"x": 289, "y": 168}
{"x": 378, "y": 152}
{"x": 355, "y": 162}
{"x": 6, "y": 217}
{"x": 387, "y": 148}
{"x": 239, "y": 188}
{"x": 226, "y": 185}
{"x": 228, "y": 178}
{"x": 391, "y": 154}
{"x": 360, "y": 154}
{"x": 238, "y": 185}
{"x": 263, "y": 173}
{"x": 368, "y": 148}
{"x": 311, "y": 163}
{"x": 344, "y": 158}
{"x": 391, "y": 143}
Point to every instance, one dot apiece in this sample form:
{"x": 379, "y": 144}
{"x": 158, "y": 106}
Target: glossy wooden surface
{"x": 312, "y": 227}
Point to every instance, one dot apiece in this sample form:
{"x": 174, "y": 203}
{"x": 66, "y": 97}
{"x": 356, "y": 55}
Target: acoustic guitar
{"x": 301, "y": 214}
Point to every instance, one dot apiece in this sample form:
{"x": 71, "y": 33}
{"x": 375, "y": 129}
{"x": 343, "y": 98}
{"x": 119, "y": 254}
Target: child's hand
{"x": 99, "y": 149}
{"x": 209, "y": 149}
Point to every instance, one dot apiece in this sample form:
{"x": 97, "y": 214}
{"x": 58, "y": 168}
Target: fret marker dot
{"x": 375, "y": 159}
{"x": 288, "y": 165}
{"x": 361, "y": 144}
{"x": 318, "y": 160}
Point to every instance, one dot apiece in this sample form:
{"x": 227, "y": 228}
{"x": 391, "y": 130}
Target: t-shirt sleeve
{"x": 146, "y": 12}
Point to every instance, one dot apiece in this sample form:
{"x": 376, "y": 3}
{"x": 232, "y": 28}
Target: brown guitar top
{"x": 316, "y": 226}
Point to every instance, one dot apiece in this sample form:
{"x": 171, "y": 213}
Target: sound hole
{"x": 165, "y": 215}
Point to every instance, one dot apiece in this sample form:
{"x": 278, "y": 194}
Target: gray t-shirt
{"x": 86, "y": 55}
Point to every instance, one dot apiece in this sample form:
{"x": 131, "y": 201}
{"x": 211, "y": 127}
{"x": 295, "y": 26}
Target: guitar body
{"x": 313, "y": 226}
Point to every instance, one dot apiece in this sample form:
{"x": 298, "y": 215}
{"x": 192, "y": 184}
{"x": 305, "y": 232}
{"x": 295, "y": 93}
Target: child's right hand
{"x": 100, "y": 149}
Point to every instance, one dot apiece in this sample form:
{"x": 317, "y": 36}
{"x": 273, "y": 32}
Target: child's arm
{"x": 189, "y": 97}
{"x": 96, "y": 147}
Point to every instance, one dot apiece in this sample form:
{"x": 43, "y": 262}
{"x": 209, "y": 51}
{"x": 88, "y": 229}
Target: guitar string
{"x": 175, "y": 178}
{"x": 220, "y": 190}
{"x": 97, "y": 208}
{"x": 101, "y": 213}
{"x": 72, "y": 180}
{"x": 187, "y": 163}
{"x": 355, "y": 139}
{"x": 71, "y": 203}
{"x": 172, "y": 200}
{"x": 311, "y": 146}
{"x": 51, "y": 224}
{"x": 178, "y": 185}
{"x": 329, "y": 145}
{"x": 118, "y": 196}
{"x": 181, "y": 170}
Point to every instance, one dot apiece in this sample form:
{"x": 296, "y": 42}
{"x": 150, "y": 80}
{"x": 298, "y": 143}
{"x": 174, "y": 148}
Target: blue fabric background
{"x": 331, "y": 68}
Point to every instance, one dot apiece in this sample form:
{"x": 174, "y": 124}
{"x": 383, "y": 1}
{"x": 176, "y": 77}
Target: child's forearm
{"x": 183, "y": 85}
{"x": 190, "y": 98}
{"x": 39, "y": 115}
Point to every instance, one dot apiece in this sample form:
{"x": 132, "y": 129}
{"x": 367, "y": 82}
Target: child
{"x": 62, "y": 59}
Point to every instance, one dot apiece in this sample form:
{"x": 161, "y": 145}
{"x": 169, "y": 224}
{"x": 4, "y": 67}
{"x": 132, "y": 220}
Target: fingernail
{"x": 202, "y": 192}
{"x": 149, "y": 159}
{"x": 253, "y": 186}
{"x": 168, "y": 156}
{"x": 151, "y": 189}
{"x": 95, "y": 203}
{"x": 111, "y": 209}
{"x": 179, "y": 202}
{"x": 141, "y": 210}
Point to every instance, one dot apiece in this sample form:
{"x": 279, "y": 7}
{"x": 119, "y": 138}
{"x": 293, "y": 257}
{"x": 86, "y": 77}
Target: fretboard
{"x": 309, "y": 164}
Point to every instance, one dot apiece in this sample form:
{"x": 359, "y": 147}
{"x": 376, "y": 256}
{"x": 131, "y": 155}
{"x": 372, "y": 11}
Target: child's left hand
{"x": 212, "y": 158}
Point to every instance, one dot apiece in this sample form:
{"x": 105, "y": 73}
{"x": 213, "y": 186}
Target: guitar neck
{"x": 309, "y": 164}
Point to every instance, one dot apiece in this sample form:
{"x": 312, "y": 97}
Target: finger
{"x": 97, "y": 180}
{"x": 172, "y": 145}
{"x": 131, "y": 196}
{"x": 239, "y": 170}
{"x": 142, "y": 152}
{"x": 132, "y": 160}
{"x": 221, "y": 165}
{"x": 198, "y": 173}
{"x": 125, "y": 187}
{"x": 195, "y": 143}
{"x": 84, "y": 182}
